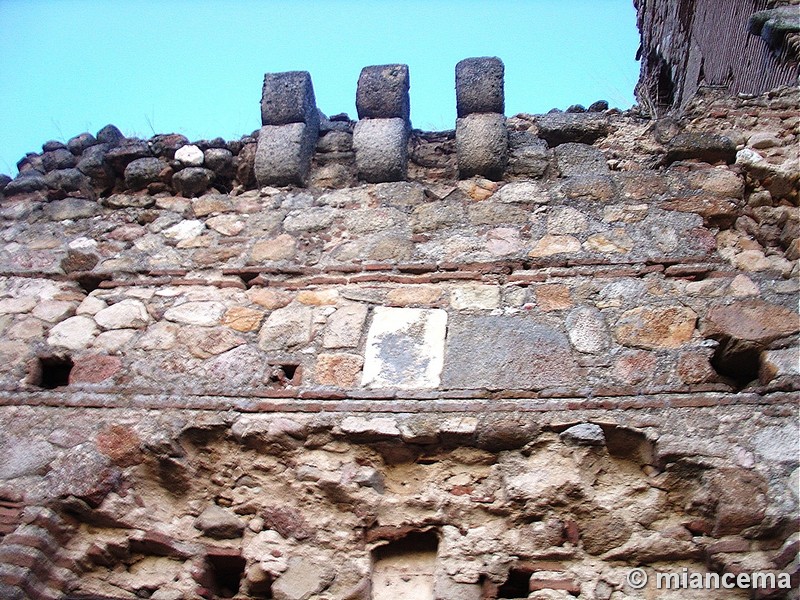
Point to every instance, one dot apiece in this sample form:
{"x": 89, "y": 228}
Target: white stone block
{"x": 405, "y": 348}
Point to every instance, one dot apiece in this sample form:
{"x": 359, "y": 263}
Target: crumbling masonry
{"x": 338, "y": 360}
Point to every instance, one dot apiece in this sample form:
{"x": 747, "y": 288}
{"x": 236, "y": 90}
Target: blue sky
{"x": 195, "y": 67}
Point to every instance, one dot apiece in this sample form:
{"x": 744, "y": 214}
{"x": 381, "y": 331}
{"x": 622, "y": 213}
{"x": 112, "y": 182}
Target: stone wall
{"x": 514, "y": 360}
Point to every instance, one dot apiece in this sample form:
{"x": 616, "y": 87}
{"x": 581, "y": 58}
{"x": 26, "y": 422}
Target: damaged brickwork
{"x": 338, "y": 360}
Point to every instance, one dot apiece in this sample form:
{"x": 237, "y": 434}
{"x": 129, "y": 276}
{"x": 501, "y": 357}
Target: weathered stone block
{"x": 574, "y": 159}
{"x": 779, "y": 363}
{"x": 585, "y": 434}
{"x": 75, "y": 333}
{"x": 381, "y": 147}
{"x": 528, "y": 155}
{"x": 143, "y": 171}
{"x": 523, "y": 354}
{"x": 192, "y": 181}
{"x": 343, "y": 329}
{"x": 216, "y": 522}
{"x": 702, "y": 146}
{"x": 482, "y": 145}
{"x": 587, "y": 330}
{"x": 127, "y": 314}
{"x": 479, "y": 86}
{"x": 405, "y": 348}
{"x": 341, "y": 370}
{"x": 302, "y": 579}
{"x": 286, "y": 327}
{"x": 204, "y": 314}
{"x": 289, "y": 98}
{"x": 284, "y": 152}
{"x": 382, "y": 92}
{"x": 656, "y": 327}
{"x": 750, "y": 321}
{"x": 561, "y": 128}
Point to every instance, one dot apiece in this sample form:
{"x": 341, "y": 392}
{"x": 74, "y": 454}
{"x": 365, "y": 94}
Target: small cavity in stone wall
{"x": 404, "y": 569}
{"x": 51, "y": 372}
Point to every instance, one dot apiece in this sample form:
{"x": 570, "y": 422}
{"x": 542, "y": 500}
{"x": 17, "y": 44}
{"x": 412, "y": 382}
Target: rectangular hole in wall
{"x": 404, "y": 569}
{"x": 285, "y": 375}
{"x": 517, "y": 585}
{"x": 227, "y": 572}
{"x": 51, "y": 372}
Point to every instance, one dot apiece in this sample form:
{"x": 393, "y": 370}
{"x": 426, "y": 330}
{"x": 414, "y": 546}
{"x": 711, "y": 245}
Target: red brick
{"x": 733, "y": 544}
{"x": 342, "y": 269}
{"x": 567, "y": 585}
{"x": 22, "y": 556}
{"x": 43, "y": 542}
{"x": 417, "y": 268}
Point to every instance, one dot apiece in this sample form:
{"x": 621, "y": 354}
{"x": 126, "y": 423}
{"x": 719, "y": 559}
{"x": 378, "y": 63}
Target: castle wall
{"x": 450, "y": 386}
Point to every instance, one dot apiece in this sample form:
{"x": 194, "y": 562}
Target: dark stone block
{"x": 599, "y": 106}
{"x": 523, "y": 354}
{"x": 167, "y": 144}
{"x": 61, "y": 158}
{"x": 707, "y": 147}
{"x": 219, "y": 160}
{"x": 119, "y": 158}
{"x": 528, "y": 155}
{"x": 192, "y": 181}
{"x": 25, "y": 184}
{"x": 93, "y": 163}
{"x": 142, "y": 172}
{"x": 561, "y": 128}
{"x": 51, "y": 145}
{"x": 479, "y": 86}
{"x": 81, "y": 142}
{"x": 288, "y": 98}
{"x": 383, "y": 92}
{"x": 30, "y": 162}
{"x": 579, "y": 159}
{"x": 67, "y": 180}
{"x": 110, "y": 135}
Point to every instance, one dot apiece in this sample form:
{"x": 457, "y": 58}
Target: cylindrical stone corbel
{"x": 290, "y": 128}
{"x": 380, "y": 138}
{"x": 481, "y": 135}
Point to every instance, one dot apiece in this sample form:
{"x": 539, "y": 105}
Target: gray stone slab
{"x": 574, "y": 159}
{"x": 382, "y": 92}
{"x": 479, "y": 86}
{"x": 482, "y": 145}
{"x": 283, "y": 154}
{"x": 288, "y": 98}
{"x": 527, "y": 155}
{"x": 381, "y": 147}
{"x": 522, "y": 354}
{"x": 405, "y": 348}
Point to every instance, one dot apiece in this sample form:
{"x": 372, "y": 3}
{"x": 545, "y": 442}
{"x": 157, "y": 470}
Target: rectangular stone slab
{"x": 382, "y": 92}
{"x": 288, "y": 98}
{"x": 506, "y": 352}
{"x": 405, "y": 348}
{"x": 479, "y": 86}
